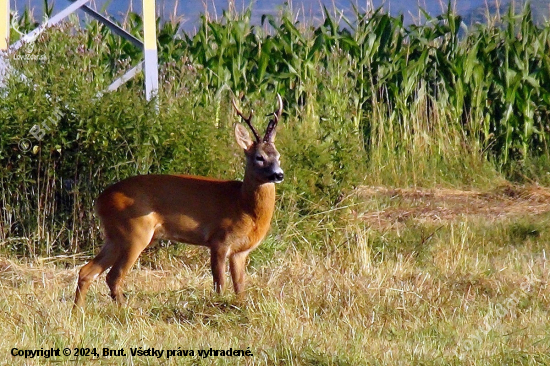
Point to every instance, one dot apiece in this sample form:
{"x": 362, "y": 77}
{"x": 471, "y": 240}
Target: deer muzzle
{"x": 277, "y": 176}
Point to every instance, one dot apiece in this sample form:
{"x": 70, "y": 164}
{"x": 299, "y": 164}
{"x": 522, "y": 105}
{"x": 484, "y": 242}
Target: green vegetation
{"x": 400, "y": 229}
{"x": 374, "y": 102}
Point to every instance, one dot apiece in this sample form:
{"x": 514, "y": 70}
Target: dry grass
{"x": 469, "y": 290}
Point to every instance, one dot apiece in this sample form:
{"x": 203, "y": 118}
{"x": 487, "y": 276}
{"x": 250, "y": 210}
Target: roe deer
{"x": 229, "y": 217}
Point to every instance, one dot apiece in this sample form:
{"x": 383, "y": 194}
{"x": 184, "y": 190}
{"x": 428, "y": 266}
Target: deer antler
{"x": 269, "y": 133}
{"x": 247, "y": 120}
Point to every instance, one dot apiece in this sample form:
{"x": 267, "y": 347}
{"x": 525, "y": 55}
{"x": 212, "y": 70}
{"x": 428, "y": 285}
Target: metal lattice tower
{"x": 149, "y": 46}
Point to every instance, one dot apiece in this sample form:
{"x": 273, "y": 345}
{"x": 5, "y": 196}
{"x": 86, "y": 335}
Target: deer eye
{"x": 260, "y": 158}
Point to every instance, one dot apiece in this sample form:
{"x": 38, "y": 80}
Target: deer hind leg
{"x": 124, "y": 263}
{"x": 105, "y": 259}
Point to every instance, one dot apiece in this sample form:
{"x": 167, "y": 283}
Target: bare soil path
{"x": 402, "y": 206}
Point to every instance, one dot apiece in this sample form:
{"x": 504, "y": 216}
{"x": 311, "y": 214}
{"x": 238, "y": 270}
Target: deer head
{"x": 261, "y": 155}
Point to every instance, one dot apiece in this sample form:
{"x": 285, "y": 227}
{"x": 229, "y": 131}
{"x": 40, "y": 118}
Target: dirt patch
{"x": 400, "y": 206}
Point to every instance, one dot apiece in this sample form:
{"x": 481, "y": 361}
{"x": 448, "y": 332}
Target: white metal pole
{"x": 4, "y": 24}
{"x": 150, "y": 48}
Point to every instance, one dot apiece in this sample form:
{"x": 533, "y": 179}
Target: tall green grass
{"x": 369, "y": 101}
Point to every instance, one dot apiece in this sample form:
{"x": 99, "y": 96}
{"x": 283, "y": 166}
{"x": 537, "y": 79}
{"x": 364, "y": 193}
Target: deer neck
{"x": 259, "y": 198}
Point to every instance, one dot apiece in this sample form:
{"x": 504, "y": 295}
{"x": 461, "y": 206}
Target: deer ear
{"x": 243, "y": 137}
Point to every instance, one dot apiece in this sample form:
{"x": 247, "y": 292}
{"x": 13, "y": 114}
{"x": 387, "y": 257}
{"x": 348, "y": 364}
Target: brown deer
{"x": 229, "y": 217}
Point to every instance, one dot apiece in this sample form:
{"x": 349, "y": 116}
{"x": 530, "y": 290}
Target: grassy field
{"x": 412, "y": 227}
{"x": 431, "y": 277}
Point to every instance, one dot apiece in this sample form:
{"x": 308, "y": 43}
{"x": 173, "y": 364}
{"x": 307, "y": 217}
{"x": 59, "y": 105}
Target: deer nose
{"x": 277, "y": 177}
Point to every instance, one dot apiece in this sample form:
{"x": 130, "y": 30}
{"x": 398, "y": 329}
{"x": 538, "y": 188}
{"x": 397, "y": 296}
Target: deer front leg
{"x": 237, "y": 265}
{"x": 217, "y": 262}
